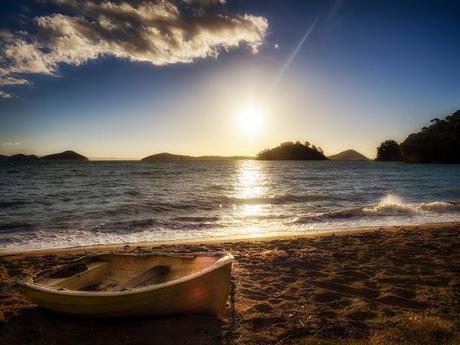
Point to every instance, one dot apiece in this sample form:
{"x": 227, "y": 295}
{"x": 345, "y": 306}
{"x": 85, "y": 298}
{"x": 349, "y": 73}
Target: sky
{"x": 126, "y": 79}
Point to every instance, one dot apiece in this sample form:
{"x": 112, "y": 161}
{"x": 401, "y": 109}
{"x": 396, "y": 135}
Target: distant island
{"x": 66, "y": 155}
{"x": 293, "y": 151}
{"x": 21, "y": 157}
{"x": 348, "y": 155}
{"x": 166, "y": 156}
{"x": 438, "y": 143}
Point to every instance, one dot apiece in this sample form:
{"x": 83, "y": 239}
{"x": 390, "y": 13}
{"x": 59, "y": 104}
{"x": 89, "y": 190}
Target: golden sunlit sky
{"x": 222, "y": 78}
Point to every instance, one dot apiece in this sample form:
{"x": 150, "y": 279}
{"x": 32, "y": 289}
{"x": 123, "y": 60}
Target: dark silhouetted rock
{"x": 438, "y": 143}
{"x": 292, "y": 151}
{"x": 22, "y": 157}
{"x": 348, "y": 155}
{"x": 389, "y": 150}
{"x": 66, "y": 155}
{"x": 3, "y": 158}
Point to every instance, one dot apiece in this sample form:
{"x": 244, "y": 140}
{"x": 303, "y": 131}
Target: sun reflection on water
{"x": 250, "y": 191}
{"x": 250, "y": 180}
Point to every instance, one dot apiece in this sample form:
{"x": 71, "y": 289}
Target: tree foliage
{"x": 389, "y": 150}
{"x": 438, "y": 143}
{"x": 291, "y": 151}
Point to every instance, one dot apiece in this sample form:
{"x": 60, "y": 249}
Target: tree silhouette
{"x": 439, "y": 143}
{"x": 291, "y": 151}
{"x": 389, "y": 150}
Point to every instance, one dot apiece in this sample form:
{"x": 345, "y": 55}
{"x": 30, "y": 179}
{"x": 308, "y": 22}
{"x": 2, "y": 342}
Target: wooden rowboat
{"x": 110, "y": 285}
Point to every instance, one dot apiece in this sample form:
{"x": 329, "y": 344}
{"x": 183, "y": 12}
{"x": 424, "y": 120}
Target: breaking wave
{"x": 48, "y": 205}
{"x": 384, "y": 209}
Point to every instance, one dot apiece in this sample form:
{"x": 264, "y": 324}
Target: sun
{"x": 250, "y": 120}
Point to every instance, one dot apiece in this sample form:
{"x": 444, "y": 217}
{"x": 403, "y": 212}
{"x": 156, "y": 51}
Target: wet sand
{"x": 330, "y": 286}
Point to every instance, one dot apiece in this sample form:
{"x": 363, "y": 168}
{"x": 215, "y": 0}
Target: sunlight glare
{"x": 251, "y": 180}
{"x": 250, "y": 120}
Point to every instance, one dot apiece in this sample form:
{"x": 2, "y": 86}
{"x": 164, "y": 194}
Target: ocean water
{"x": 60, "y": 204}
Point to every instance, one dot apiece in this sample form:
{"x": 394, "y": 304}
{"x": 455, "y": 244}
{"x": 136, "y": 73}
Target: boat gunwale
{"x": 226, "y": 259}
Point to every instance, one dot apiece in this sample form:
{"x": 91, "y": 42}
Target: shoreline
{"x": 227, "y": 239}
{"x": 329, "y": 287}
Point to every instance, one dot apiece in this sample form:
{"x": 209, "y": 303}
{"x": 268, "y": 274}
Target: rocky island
{"x": 348, "y": 155}
{"x": 66, "y": 155}
{"x": 293, "y": 151}
{"x": 22, "y": 157}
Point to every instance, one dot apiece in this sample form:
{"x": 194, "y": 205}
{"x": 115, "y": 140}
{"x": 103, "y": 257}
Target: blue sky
{"x": 368, "y": 71}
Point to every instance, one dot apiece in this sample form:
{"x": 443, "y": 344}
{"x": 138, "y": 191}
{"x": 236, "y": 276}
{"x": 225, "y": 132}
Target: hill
{"x": 348, "y": 155}
{"x": 438, "y": 143}
{"x": 292, "y": 151}
{"x": 22, "y": 157}
{"x": 165, "y": 156}
{"x": 66, "y": 155}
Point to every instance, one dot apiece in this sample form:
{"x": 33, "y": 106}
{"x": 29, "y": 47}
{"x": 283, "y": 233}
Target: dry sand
{"x": 333, "y": 286}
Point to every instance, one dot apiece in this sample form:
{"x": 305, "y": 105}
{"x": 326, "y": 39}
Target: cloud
{"x": 4, "y": 81}
{"x": 157, "y": 32}
{"x": 4, "y": 94}
{"x": 205, "y": 2}
{"x": 11, "y": 144}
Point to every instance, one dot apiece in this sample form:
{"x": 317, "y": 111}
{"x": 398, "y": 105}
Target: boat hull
{"x": 204, "y": 293}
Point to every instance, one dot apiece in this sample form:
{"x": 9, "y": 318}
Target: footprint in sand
{"x": 326, "y": 297}
{"x": 289, "y": 279}
{"x": 340, "y": 304}
{"x": 361, "y": 315}
{"x": 353, "y": 274}
{"x": 261, "y": 308}
{"x": 392, "y": 300}
{"x": 275, "y": 301}
{"x": 347, "y": 290}
{"x": 371, "y": 285}
{"x": 255, "y": 295}
{"x": 404, "y": 293}
{"x": 265, "y": 322}
{"x": 292, "y": 290}
{"x": 327, "y": 314}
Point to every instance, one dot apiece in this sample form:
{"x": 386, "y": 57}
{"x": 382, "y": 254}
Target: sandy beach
{"x": 319, "y": 289}
{"x": 264, "y": 172}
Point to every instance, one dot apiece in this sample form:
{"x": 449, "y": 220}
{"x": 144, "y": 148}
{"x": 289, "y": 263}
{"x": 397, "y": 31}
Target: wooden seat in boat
{"x": 159, "y": 271}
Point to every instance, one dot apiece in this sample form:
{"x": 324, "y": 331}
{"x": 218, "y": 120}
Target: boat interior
{"x": 111, "y": 272}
